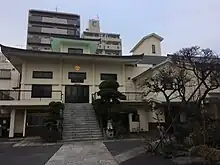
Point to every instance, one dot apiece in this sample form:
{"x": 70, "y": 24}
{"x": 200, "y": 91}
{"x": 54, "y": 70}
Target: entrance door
{"x": 77, "y": 94}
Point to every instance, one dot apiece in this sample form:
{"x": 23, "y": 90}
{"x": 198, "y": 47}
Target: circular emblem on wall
{"x": 77, "y": 67}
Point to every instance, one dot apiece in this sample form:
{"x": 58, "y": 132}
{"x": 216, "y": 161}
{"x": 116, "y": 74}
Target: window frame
{"x": 43, "y": 73}
{"x": 40, "y": 93}
{"x": 79, "y": 77}
{"x": 102, "y": 75}
{"x": 8, "y": 77}
{"x": 153, "y": 48}
{"x": 70, "y": 50}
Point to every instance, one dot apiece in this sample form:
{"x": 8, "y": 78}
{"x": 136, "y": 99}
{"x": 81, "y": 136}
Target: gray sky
{"x": 182, "y": 23}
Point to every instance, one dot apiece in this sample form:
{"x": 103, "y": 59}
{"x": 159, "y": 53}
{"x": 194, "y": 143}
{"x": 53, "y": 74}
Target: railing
{"x": 28, "y": 95}
{"x": 130, "y": 96}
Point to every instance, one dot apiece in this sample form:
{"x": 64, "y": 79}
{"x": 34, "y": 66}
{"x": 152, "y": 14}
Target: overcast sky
{"x": 182, "y": 23}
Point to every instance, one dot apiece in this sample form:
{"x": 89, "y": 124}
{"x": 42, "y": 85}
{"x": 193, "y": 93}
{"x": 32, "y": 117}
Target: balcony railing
{"x": 27, "y": 95}
{"x": 130, "y": 96}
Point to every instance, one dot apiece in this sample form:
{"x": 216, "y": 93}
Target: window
{"x": 75, "y": 51}
{"x": 41, "y": 91}
{"x": 153, "y": 49}
{"x": 77, "y": 76}
{"x": 42, "y": 74}
{"x": 108, "y": 76}
{"x": 135, "y": 118}
{"x": 167, "y": 84}
{"x": 5, "y": 74}
{"x": 214, "y": 80}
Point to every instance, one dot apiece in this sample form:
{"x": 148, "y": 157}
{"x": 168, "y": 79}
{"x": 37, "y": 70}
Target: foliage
{"x": 53, "y": 122}
{"x": 109, "y": 92}
{"x": 191, "y": 74}
{"x": 109, "y": 96}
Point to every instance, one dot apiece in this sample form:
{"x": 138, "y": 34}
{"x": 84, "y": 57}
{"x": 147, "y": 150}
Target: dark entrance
{"x": 77, "y": 94}
{"x": 4, "y": 129}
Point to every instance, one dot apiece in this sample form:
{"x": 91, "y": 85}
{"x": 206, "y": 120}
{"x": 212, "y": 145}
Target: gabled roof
{"x": 167, "y": 61}
{"x": 144, "y": 38}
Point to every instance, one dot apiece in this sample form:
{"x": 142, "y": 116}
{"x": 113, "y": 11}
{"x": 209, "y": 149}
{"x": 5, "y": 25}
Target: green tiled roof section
{"x": 57, "y": 43}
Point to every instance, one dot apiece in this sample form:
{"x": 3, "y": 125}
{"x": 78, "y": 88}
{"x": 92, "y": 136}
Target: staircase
{"x": 80, "y": 123}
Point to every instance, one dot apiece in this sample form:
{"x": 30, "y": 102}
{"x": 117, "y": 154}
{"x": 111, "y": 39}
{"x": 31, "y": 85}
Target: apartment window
{"x": 75, "y": 51}
{"x": 5, "y": 74}
{"x": 77, "y": 77}
{"x": 108, "y": 76}
{"x": 42, "y": 74}
{"x": 41, "y": 91}
{"x": 153, "y": 49}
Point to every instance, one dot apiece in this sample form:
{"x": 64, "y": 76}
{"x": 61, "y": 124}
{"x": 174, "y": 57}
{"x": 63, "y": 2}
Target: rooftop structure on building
{"x": 110, "y": 42}
{"x": 43, "y": 26}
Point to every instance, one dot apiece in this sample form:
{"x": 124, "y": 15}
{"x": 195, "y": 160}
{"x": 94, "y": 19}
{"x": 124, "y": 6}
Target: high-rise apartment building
{"x": 44, "y": 25}
{"x": 110, "y": 43}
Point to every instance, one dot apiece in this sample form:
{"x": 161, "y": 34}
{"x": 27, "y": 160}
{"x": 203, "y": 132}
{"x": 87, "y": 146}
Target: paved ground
{"x": 82, "y": 153}
{"x": 143, "y": 159}
{"x": 117, "y": 147}
{"x": 26, "y": 155}
{"x": 132, "y": 152}
{"x": 123, "y": 152}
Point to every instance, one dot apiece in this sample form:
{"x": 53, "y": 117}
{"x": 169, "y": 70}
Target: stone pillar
{"x": 12, "y": 123}
{"x": 24, "y": 124}
{"x": 61, "y": 81}
{"x": 23, "y": 77}
{"x": 93, "y": 87}
{"x": 123, "y": 77}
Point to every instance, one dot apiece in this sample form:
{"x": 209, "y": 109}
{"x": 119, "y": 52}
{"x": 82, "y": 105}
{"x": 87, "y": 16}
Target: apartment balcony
{"x": 61, "y": 21}
{"x": 112, "y": 47}
{"x": 34, "y": 29}
{"x": 135, "y": 97}
{"x": 38, "y": 40}
{"x": 111, "y": 39}
{"x": 24, "y": 98}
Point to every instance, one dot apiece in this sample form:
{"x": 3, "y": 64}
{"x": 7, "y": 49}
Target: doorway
{"x": 5, "y": 125}
{"x": 77, "y": 94}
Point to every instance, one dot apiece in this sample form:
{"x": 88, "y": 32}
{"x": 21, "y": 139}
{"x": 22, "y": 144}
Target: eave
{"x": 16, "y": 56}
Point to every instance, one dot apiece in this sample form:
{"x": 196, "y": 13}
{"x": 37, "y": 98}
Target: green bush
{"x": 52, "y": 130}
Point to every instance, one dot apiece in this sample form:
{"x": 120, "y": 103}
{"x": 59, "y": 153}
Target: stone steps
{"x": 80, "y": 123}
{"x": 83, "y": 139}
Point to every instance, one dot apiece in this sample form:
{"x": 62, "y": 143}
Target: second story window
{"x": 153, "y": 49}
{"x": 41, "y": 91}
{"x": 75, "y": 50}
{"x": 77, "y": 77}
{"x": 108, "y": 76}
{"x": 5, "y": 74}
{"x": 42, "y": 74}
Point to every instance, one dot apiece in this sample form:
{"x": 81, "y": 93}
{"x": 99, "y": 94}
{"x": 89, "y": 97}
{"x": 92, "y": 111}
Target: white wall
{"x": 60, "y": 74}
{"x": 146, "y": 47}
{"x": 8, "y": 84}
{"x": 146, "y": 116}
